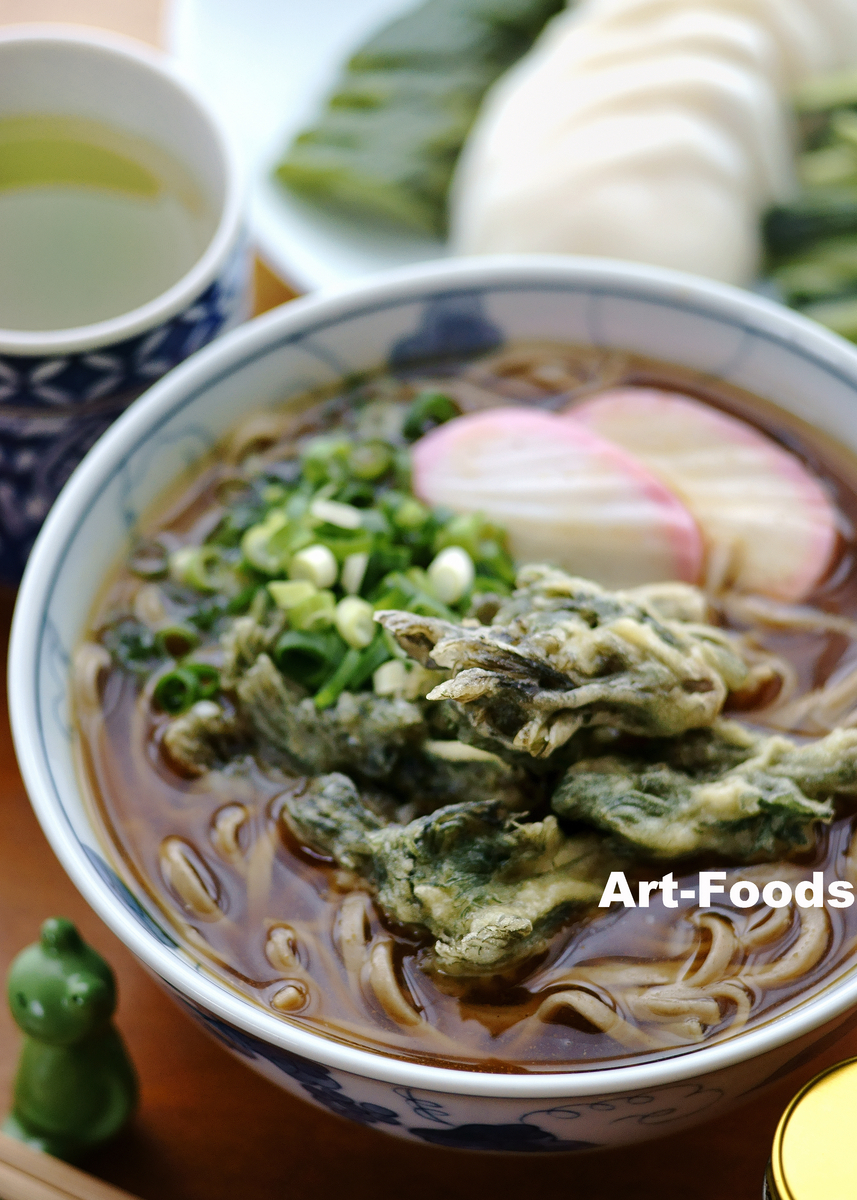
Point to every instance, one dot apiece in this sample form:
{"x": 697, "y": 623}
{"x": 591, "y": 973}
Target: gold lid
{"x": 813, "y": 1154}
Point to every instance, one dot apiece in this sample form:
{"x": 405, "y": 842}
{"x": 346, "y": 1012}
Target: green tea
{"x": 94, "y": 222}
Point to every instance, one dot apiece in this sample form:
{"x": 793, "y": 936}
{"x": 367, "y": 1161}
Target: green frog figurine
{"x": 75, "y": 1086}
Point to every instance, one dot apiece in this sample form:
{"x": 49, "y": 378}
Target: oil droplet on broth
{"x": 94, "y": 222}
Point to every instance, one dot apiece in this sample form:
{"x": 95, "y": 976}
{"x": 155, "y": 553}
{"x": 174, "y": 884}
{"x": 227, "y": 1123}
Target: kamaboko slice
{"x": 768, "y": 524}
{"x": 565, "y": 495}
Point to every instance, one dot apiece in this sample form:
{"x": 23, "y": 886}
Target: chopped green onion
{"x": 416, "y": 597}
{"x": 149, "y": 560}
{"x": 332, "y": 512}
{"x": 355, "y": 622}
{"x": 235, "y": 523}
{"x": 484, "y": 542}
{"x": 287, "y": 594}
{"x": 149, "y": 606}
{"x": 428, "y": 410}
{"x": 356, "y": 667}
{"x": 490, "y": 583}
{"x": 326, "y": 458}
{"x": 370, "y": 660}
{"x": 207, "y": 679}
{"x": 339, "y": 680}
{"x": 260, "y": 605}
{"x": 176, "y": 640}
{"x": 371, "y": 460}
{"x": 402, "y": 471}
{"x": 176, "y": 691}
{"x": 395, "y": 597}
{"x": 202, "y": 567}
{"x": 297, "y": 506}
{"x": 451, "y": 574}
{"x": 316, "y": 612}
{"x": 342, "y": 543}
{"x": 394, "y": 650}
{"x": 383, "y": 561}
{"x": 308, "y": 658}
{"x": 241, "y": 602}
{"x": 315, "y": 563}
{"x": 131, "y": 644}
{"x": 374, "y": 521}
{"x": 359, "y": 494}
{"x": 390, "y": 678}
{"x": 802, "y": 282}
{"x": 353, "y": 572}
{"x": 411, "y": 514}
{"x": 205, "y": 614}
{"x": 274, "y": 493}
{"x": 266, "y": 545}
{"x": 465, "y": 530}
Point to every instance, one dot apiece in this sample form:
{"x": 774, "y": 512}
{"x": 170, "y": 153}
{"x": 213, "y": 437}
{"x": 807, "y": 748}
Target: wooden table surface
{"x": 208, "y": 1128}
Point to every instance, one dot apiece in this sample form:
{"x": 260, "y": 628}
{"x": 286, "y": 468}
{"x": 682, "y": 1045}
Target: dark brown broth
{"x": 140, "y": 800}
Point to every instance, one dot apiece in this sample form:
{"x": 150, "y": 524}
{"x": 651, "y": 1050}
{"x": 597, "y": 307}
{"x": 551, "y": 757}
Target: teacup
{"x": 60, "y": 387}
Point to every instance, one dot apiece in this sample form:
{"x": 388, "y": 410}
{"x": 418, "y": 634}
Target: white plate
{"x": 265, "y": 67}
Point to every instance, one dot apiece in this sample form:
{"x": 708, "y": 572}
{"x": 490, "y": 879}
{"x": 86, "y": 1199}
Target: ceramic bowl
{"x": 60, "y": 389}
{"x": 458, "y": 307}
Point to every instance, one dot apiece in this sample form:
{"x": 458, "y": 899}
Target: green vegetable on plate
{"x": 811, "y": 242}
{"x": 385, "y": 147}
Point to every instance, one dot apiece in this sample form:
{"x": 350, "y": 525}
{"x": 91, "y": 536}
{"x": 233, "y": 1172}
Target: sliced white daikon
{"x": 804, "y": 41}
{"x": 531, "y": 118}
{"x": 655, "y": 130}
{"x": 683, "y": 220}
{"x": 668, "y": 159}
{"x": 524, "y": 155}
{"x": 736, "y": 99}
{"x": 594, "y": 45}
{"x": 564, "y": 494}
{"x": 768, "y": 524}
{"x": 658, "y": 187}
{"x": 839, "y": 17}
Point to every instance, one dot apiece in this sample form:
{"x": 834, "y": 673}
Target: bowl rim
{"x": 401, "y": 285}
{"x": 205, "y": 270}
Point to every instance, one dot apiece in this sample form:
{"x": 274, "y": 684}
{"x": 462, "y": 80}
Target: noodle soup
{"x": 345, "y": 821}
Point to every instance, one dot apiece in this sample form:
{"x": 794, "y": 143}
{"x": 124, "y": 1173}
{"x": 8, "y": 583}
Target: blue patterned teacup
{"x": 61, "y": 387}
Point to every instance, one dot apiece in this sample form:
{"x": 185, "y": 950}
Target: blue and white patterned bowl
{"x": 454, "y": 307}
{"x": 60, "y": 389}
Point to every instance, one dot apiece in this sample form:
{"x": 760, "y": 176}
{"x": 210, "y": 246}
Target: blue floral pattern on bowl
{"x": 54, "y": 408}
{"x": 451, "y": 326}
{"x": 435, "y": 311}
{"x": 523, "y": 1133}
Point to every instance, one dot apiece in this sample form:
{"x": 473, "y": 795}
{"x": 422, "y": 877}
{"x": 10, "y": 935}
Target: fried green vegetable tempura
{"x": 386, "y": 145}
{"x": 453, "y": 838}
{"x": 363, "y": 732}
{"x": 488, "y": 889}
{"x": 722, "y": 791}
{"x": 384, "y": 741}
{"x": 564, "y": 653}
